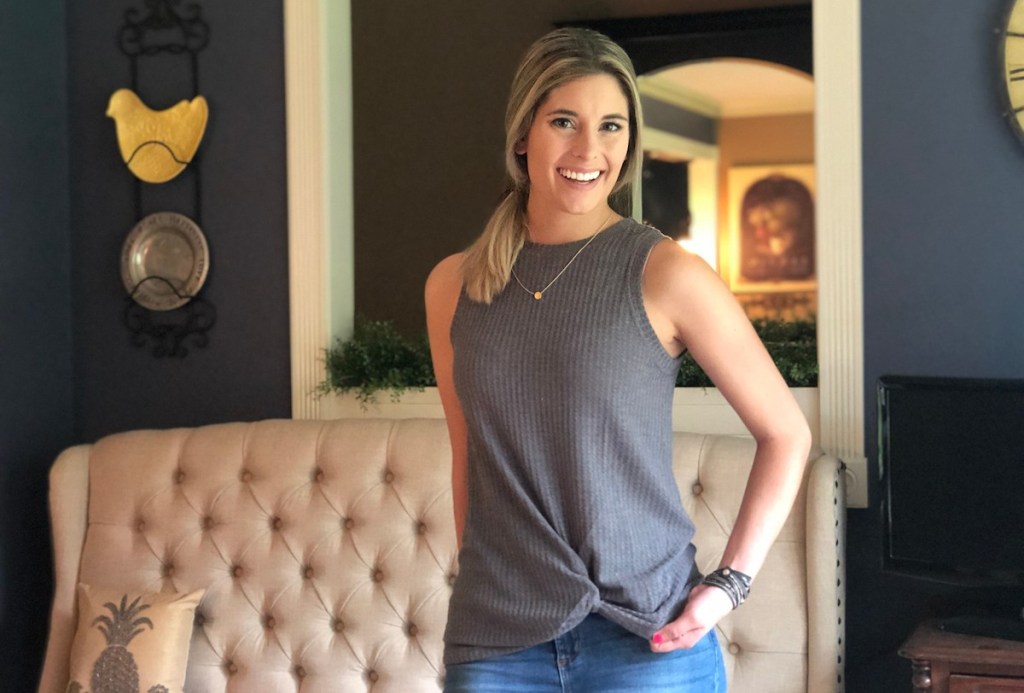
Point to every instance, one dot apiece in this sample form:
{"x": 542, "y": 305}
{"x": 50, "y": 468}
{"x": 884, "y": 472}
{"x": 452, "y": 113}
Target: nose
{"x": 585, "y": 145}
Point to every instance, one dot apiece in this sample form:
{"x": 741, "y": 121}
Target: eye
{"x": 611, "y": 126}
{"x": 562, "y": 123}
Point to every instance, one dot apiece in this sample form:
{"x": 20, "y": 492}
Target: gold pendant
{"x": 537, "y": 295}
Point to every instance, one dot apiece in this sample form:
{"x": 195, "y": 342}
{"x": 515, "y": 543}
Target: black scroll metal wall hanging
{"x": 165, "y": 259}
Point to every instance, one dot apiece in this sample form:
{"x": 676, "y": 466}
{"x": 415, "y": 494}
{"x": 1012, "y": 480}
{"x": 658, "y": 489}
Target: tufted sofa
{"x": 327, "y": 553}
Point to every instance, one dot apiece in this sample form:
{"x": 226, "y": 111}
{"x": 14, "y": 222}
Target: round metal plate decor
{"x": 164, "y": 261}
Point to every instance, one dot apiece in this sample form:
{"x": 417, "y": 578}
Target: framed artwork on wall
{"x": 771, "y": 228}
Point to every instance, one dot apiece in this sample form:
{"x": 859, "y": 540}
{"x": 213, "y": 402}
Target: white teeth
{"x": 584, "y": 177}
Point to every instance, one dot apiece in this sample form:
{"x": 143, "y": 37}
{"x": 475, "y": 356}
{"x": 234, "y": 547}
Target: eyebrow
{"x": 567, "y": 112}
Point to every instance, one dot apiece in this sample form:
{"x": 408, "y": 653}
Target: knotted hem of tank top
{"x": 646, "y": 624}
{"x": 643, "y": 625}
{"x": 459, "y": 653}
{"x": 584, "y": 607}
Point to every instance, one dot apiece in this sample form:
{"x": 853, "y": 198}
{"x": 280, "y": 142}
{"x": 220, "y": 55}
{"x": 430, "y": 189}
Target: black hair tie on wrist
{"x": 732, "y": 582}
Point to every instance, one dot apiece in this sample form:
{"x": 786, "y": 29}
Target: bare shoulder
{"x": 445, "y": 280}
{"x": 685, "y": 297}
{"x": 444, "y": 284}
{"x": 671, "y": 269}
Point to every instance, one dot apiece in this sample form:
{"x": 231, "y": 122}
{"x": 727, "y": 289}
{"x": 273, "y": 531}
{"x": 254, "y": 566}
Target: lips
{"x": 579, "y": 176}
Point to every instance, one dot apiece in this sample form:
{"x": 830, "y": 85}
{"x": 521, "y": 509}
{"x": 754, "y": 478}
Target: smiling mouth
{"x": 579, "y": 176}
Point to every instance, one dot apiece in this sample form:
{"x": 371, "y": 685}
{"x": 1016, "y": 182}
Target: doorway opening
{"x": 729, "y": 173}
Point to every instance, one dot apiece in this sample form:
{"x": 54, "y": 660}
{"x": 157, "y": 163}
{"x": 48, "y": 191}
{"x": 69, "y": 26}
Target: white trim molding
{"x": 837, "y": 133}
{"x": 318, "y": 96}
{"x": 694, "y": 409}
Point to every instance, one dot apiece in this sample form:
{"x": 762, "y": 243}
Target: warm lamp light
{"x": 702, "y": 247}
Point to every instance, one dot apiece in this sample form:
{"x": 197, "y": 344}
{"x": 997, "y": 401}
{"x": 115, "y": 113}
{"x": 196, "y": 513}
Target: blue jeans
{"x": 596, "y": 656}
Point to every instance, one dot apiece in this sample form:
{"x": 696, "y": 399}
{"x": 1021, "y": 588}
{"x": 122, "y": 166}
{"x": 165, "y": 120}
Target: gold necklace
{"x": 538, "y": 295}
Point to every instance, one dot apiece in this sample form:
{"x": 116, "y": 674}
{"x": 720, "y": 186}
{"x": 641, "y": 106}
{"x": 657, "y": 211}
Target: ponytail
{"x": 488, "y": 264}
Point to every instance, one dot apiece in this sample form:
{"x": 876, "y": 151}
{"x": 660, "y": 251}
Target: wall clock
{"x": 1013, "y": 66}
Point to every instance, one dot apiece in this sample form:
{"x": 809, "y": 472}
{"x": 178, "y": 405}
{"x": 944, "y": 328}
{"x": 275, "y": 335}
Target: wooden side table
{"x": 947, "y": 662}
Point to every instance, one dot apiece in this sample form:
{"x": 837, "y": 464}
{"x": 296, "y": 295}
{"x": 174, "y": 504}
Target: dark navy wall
{"x": 244, "y": 373}
{"x": 68, "y": 372}
{"x": 943, "y": 252}
{"x": 36, "y": 418}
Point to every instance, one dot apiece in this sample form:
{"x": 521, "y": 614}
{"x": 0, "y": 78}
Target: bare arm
{"x": 691, "y": 308}
{"x": 442, "y": 296}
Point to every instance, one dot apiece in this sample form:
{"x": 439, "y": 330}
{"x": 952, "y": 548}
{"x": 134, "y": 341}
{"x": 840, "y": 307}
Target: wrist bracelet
{"x": 732, "y": 582}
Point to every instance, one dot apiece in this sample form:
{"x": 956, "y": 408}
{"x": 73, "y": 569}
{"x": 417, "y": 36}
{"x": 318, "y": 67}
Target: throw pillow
{"x": 131, "y": 641}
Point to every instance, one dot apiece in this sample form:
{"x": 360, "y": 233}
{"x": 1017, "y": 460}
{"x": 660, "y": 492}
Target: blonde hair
{"x": 555, "y": 59}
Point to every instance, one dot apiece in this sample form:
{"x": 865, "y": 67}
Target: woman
{"x": 556, "y": 339}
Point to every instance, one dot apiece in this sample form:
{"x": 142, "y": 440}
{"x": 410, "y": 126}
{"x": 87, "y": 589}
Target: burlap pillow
{"x": 131, "y": 641}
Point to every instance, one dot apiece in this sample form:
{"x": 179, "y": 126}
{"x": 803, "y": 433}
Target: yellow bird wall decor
{"x": 157, "y": 145}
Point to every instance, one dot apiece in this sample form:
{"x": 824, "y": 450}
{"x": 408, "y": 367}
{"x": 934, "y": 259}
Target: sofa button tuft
{"x": 307, "y": 572}
{"x": 349, "y": 523}
{"x": 231, "y": 667}
{"x": 300, "y": 672}
{"x": 698, "y": 489}
{"x": 141, "y": 525}
{"x": 389, "y": 476}
{"x": 246, "y": 475}
{"x": 734, "y": 648}
{"x": 179, "y": 477}
{"x": 207, "y": 522}
{"x": 378, "y": 575}
{"x": 200, "y": 620}
{"x": 421, "y": 528}
{"x": 411, "y": 630}
{"x": 451, "y": 579}
{"x": 168, "y": 570}
{"x": 269, "y": 622}
{"x": 236, "y": 571}
{"x": 337, "y": 625}
{"x": 276, "y": 523}
{"x": 373, "y": 676}
{"x": 318, "y": 476}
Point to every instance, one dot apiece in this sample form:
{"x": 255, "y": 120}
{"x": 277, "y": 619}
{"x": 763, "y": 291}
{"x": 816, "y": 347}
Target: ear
{"x": 521, "y": 147}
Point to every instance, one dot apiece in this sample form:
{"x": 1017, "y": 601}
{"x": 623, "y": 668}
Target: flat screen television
{"x": 951, "y": 452}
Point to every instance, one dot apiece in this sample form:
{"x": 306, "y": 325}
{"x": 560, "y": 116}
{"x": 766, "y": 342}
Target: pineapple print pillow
{"x": 131, "y": 642}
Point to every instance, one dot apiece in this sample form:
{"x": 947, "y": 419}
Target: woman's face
{"x": 576, "y": 146}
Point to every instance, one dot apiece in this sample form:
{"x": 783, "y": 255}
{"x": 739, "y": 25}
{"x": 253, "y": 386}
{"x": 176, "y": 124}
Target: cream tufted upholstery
{"x": 327, "y": 552}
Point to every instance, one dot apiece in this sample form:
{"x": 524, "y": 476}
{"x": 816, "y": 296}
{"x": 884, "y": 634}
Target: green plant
{"x": 792, "y": 346}
{"x": 377, "y": 357}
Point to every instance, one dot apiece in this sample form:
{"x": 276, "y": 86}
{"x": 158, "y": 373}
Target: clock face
{"x": 1013, "y": 66}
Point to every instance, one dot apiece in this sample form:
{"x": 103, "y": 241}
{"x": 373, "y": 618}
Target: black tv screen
{"x": 951, "y": 452}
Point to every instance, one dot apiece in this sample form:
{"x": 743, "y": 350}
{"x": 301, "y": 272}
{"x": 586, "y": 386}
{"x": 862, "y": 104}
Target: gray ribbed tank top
{"x": 573, "y": 507}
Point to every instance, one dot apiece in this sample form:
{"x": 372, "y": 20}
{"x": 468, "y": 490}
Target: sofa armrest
{"x": 69, "y": 502}
{"x": 826, "y": 574}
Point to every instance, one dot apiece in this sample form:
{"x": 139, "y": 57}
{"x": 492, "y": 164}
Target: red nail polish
{"x": 657, "y": 639}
